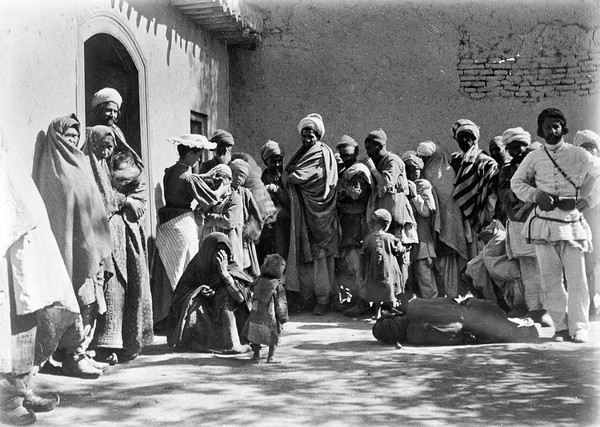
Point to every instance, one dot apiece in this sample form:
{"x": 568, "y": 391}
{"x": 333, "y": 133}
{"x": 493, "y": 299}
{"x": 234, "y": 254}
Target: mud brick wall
{"x": 550, "y": 61}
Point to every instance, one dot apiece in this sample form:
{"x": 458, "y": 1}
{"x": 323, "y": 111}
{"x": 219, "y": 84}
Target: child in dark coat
{"x": 269, "y": 308}
{"x": 383, "y": 277}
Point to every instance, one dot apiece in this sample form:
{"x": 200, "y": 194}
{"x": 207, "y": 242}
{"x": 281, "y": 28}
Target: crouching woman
{"x": 211, "y": 302}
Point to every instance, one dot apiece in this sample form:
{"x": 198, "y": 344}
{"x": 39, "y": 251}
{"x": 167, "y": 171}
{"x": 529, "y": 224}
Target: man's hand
{"x": 544, "y": 200}
{"x": 136, "y": 206}
{"x": 206, "y": 291}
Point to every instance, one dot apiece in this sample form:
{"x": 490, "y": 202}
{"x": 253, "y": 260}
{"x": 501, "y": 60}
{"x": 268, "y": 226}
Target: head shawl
{"x": 192, "y": 141}
{"x": 553, "y": 113}
{"x": 97, "y": 133}
{"x": 75, "y": 206}
{"x": 359, "y": 168}
{"x": 313, "y": 121}
{"x": 220, "y": 170}
{"x": 464, "y": 125}
{"x": 412, "y": 160}
{"x": 516, "y": 135}
{"x": 378, "y": 136}
{"x": 222, "y": 138}
{"x": 346, "y": 140}
{"x": 107, "y": 94}
{"x": 586, "y": 137}
{"x": 383, "y": 216}
{"x": 270, "y": 149}
{"x": 426, "y": 149}
{"x": 240, "y": 166}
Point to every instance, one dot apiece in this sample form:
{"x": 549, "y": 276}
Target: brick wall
{"x": 550, "y": 61}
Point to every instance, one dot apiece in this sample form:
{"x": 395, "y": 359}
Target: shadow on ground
{"x": 335, "y": 373}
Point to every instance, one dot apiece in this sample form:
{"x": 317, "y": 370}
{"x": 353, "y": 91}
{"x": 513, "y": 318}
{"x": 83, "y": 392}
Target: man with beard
{"x": 552, "y": 178}
{"x": 223, "y": 151}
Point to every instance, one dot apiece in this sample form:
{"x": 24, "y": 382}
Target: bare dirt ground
{"x": 334, "y": 372}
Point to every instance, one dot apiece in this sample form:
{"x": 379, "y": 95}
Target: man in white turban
{"x": 311, "y": 177}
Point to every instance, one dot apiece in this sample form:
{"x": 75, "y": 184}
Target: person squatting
{"x": 237, "y": 247}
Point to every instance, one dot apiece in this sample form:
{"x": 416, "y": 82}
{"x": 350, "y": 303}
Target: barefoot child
{"x": 269, "y": 308}
{"x": 383, "y": 277}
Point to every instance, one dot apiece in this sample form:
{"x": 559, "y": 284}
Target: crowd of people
{"x": 238, "y": 247}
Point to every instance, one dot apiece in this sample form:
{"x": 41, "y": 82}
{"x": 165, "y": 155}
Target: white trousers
{"x": 554, "y": 259}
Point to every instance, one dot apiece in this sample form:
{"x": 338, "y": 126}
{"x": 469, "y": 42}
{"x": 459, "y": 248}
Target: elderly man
{"x": 553, "y": 178}
{"x": 223, "y": 151}
{"x": 476, "y": 181}
{"x": 275, "y": 237}
{"x": 310, "y": 178}
{"x": 590, "y": 141}
{"x": 518, "y": 142}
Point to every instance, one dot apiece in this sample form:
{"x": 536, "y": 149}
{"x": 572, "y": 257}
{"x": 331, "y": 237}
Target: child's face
{"x": 413, "y": 173}
{"x": 238, "y": 179}
{"x": 105, "y": 148}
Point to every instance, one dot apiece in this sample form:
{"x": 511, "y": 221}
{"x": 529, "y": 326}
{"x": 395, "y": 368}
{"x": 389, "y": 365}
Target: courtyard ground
{"x": 333, "y": 372}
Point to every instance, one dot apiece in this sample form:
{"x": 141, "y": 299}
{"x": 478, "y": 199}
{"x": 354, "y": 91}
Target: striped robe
{"x": 476, "y": 180}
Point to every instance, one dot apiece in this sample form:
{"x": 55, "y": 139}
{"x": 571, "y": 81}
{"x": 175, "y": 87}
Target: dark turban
{"x": 378, "y": 136}
{"x": 270, "y": 149}
{"x": 223, "y": 138}
{"x": 240, "y": 166}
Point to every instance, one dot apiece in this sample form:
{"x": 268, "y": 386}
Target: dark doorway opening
{"x": 108, "y": 64}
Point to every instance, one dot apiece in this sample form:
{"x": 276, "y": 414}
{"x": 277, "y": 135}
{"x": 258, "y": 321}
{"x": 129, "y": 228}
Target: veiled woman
{"x": 451, "y": 244}
{"x": 79, "y": 223}
{"x": 211, "y": 302}
{"x": 311, "y": 178}
{"x": 127, "y": 324}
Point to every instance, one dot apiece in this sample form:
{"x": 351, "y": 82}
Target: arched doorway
{"x": 109, "y": 64}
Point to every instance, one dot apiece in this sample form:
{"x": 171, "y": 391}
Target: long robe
{"x": 209, "y": 323}
{"x": 310, "y": 178}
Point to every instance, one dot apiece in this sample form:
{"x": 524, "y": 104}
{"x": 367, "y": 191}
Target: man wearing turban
{"x": 590, "y": 141}
{"x": 311, "y": 177}
{"x": 275, "y": 237}
{"x": 391, "y": 192}
{"x": 223, "y": 151}
{"x": 562, "y": 180}
{"x": 518, "y": 143}
{"x": 476, "y": 181}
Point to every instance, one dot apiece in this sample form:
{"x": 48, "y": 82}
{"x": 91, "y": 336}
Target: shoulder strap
{"x": 561, "y": 171}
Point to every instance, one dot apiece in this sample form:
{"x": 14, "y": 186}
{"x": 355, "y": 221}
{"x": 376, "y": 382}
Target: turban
{"x": 516, "y": 135}
{"x": 378, "y": 136}
{"x": 107, "y": 94}
{"x": 240, "y": 166}
{"x": 222, "y": 137}
{"x": 464, "y": 125}
{"x": 426, "y": 149}
{"x": 383, "y": 216}
{"x": 553, "y": 113}
{"x": 192, "y": 140}
{"x": 412, "y": 160}
{"x": 220, "y": 170}
{"x": 346, "y": 140}
{"x": 270, "y": 149}
{"x": 361, "y": 169}
{"x": 312, "y": 121}
{"x": 586, "y": 137}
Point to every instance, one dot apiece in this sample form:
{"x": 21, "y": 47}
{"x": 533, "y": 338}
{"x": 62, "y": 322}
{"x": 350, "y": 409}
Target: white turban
{"x": 586, "y": 136}
{"x": 361, "y": 169}
{"x": 426, "y": 149}
{"x": 220, "y": 170}
{"x": 313, "y": 121}
{"x": 464, "y": 125}
{"x": 107, "y": 94}
{"x": 516, "y": 134}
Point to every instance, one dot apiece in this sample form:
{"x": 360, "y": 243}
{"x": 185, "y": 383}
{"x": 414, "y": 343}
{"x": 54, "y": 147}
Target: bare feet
{"x": 272, "y": 360}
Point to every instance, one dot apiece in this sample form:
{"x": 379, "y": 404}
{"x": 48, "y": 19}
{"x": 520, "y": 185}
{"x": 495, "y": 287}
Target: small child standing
{"x": 269, "y": 308}
{"x": 383, "y": 277}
